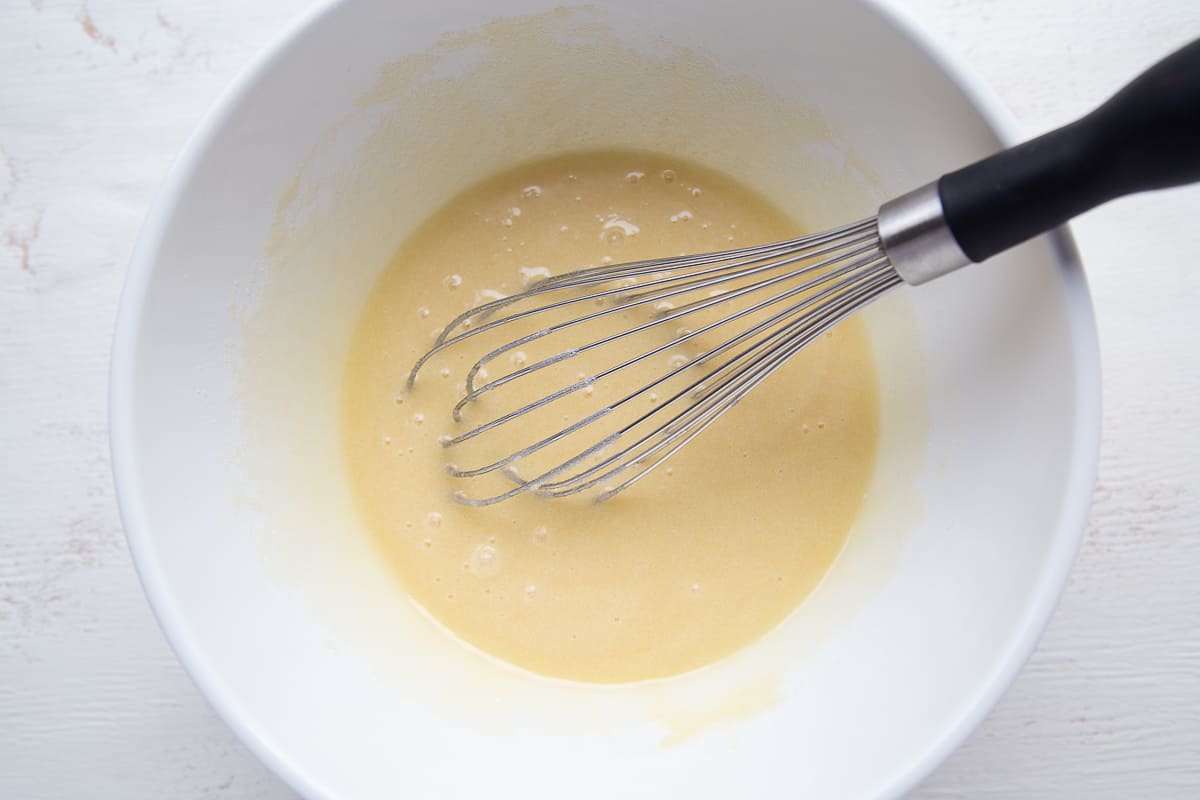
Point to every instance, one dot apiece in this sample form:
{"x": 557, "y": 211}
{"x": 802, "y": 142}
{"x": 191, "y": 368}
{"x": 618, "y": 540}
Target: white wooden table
{"x": 97, "y": 97}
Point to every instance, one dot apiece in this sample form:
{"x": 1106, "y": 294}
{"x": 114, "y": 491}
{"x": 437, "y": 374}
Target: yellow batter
{"x": 693, "y": 562}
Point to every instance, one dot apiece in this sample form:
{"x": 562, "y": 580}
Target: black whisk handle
{"x": 1147, "y": 136}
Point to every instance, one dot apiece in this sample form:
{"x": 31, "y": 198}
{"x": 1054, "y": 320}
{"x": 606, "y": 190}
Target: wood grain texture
{"x": 96, "y": 98}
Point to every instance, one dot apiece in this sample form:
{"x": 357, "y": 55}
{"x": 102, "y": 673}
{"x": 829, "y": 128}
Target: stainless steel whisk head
{"x": 739, "y": 315}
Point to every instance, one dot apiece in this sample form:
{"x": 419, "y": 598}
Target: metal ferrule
{"x": 916, "y": 238}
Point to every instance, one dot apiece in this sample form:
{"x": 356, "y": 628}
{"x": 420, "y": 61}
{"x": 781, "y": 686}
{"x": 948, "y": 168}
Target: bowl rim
{"x": 122, "y": 424}
{"x": 1023, "y": 639}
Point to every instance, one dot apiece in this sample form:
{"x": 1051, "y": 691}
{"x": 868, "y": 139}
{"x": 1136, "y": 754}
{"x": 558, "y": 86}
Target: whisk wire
{"x": 810, "y": 284}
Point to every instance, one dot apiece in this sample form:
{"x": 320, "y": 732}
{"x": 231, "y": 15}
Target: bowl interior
{"x": 246, "y": 287}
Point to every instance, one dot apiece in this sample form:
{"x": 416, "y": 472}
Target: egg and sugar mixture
{"x": 706, "y": 553}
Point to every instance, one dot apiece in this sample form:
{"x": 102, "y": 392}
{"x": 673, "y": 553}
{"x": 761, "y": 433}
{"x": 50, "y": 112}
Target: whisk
{"x": 723, "y": 322}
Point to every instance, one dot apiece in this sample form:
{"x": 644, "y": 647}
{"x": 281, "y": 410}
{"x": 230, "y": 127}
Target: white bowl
{"x": 247, "y": 280}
